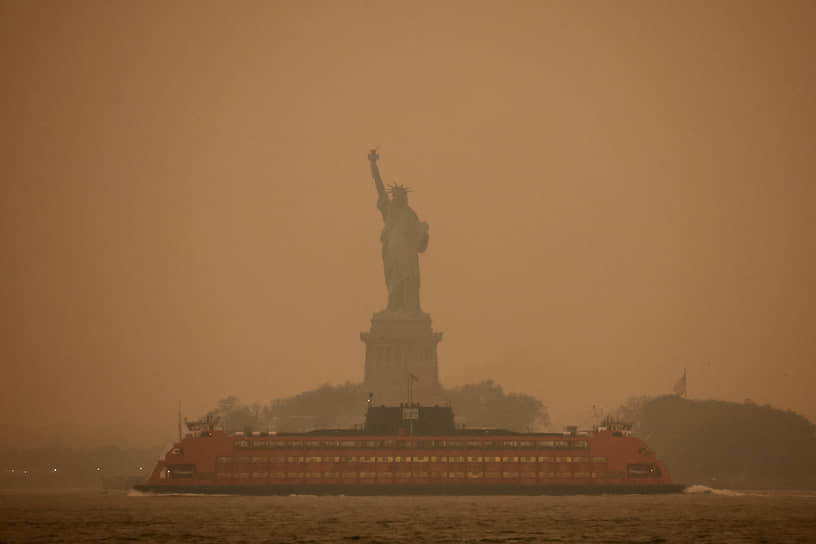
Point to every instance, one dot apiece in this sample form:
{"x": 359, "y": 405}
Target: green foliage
{"x": 631, "y": 410}
{"x": 331, "y": 406}
{"x": 486, "y": 405}
{"x": 344, "y": 400}
{"x": 726, "y": 444}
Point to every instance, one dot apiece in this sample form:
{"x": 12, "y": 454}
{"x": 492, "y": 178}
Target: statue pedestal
{"x": 398, "y": 346}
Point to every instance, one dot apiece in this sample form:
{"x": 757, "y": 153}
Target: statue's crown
{"x": 397, "y": 188}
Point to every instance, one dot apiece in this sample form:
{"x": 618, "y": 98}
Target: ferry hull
{"x": 429, "y": 457}
{"x": 421, "y": 489}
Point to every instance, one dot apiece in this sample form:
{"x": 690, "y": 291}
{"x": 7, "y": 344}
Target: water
{"x": 699, "y": 515}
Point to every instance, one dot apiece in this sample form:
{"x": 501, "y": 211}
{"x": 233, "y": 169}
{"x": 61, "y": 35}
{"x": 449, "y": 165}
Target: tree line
{"x": 338, "y": 406}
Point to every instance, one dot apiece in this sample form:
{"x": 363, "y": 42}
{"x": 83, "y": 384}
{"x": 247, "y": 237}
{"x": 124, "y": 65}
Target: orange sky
{"x": 615, "y": 191}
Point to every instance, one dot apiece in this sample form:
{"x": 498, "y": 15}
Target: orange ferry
{"x": 410, "y": 450}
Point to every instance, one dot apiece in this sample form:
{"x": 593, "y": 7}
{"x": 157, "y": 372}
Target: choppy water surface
{"x": 696, "y": 516}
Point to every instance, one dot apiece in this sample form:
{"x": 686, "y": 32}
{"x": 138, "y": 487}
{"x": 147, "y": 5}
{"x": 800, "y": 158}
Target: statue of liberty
{"x": 403, "y": 238}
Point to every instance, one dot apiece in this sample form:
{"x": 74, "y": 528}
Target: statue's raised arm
{"x": 375, "y": 173}
{"x": 403, "y": 238}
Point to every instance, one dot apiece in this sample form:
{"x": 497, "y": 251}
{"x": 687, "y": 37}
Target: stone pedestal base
{"x": 397, "y": 349}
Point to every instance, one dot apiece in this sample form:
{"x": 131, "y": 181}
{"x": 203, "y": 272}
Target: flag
{"x": 680, "y": 386}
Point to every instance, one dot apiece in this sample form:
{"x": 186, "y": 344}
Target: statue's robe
{"x": 403, "y": 237}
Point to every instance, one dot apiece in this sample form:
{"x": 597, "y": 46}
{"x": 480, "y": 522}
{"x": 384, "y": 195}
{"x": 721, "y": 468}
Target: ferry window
{"x": 546, "y": 459}
{"x": 366, "y": 459}
{"x": 294, "y": 459}
{"x": 562, "y": 444}
{"x": 421, "y": 474}
{"x": 260, "y": 459}
{"x": 277, "y": 475}
{"x": 242, "y": 459}
{"x": 242, "y": 475}
{"x": 493, "y": 475}
{"x": 276, "y": 444}
{"x": 509, "y": 459}
{"x": 313, "y": 444}
{"x": 331, "y": 475}
{"x": 294, "y": 475}
{"x": 277, "y": 459}
{"x": 385, "y": 475}
{"x": 643, "y": 471}
{"x": 331, "y": 444}
{"x": 581, "y": 444}
{"x": 456, "y": 474}
{"x": 582, "y": 474}
{"x": 474, "y": 444}
{"x": 528, "y": 459}
{"x": 598, "y": 459}
{"x": 349, "y": 475}
{"x": 371, "y": 443}
{"x": 385, "y": 459}
{"x": 528, "y": 474}
{"x": 563, "y": 474}
{"x": 348, "y": 459}
{"x": 454, "y": 444}
{"x": 259, "y": 444}
{"x": 510, "y": 444}
{"x": 180, "y": 471}
{"x": 406, "y": 444}
{"x": 260, "y": 475}
{"x": 295, "y": 444}
{"x": 456, "y": 459}
{"x": 492, "y": 459}
{"x": 436, "y": 459}
{"x": 489, "y": 444}
{"x": 405, "y": 475}
{"x": 510, "y": 474}
{"x": 314, "y": 459}
{"x": 546, "y": 444}
{"x": 420, "y": 459}
{"x": 526, "y": 444}
{"x": 241, "y": 444}
{"x": 223, "y": 460}
{"x": 563, "y": 459}
{"x": 349, "y": 444}
{"x": 546, "y": 474}
{"x": 223, "y": 475}
{"x": 387, "y": 443}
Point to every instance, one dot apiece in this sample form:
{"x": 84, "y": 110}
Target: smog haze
{"x": 615, "y": 192}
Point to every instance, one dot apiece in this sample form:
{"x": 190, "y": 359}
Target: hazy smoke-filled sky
{"x": 615, "y": 191}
